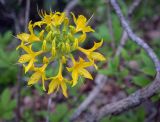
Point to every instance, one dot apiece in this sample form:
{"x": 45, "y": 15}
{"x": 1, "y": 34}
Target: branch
{"x": 70, "y": 6}
{"x": 125, "y": 35}
{"x": 142, "y": 94}
{"x": 134, "y": 37}
{"x": 27, "y": 11}
{"x": 100, "y": 80}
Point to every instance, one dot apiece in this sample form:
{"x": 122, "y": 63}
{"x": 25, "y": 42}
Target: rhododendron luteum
{"x": 58, "y": 39}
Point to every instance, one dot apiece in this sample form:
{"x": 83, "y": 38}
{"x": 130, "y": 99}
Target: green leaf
{"x": 149, "y": 71}
{"x": 140, "y": 80}
{"x": 146, "y": 60}
{"x": 102, "y": 32}
{"x": 5, "y": 97}
{"x": 12, "y": 105}
{"x": 115, "y": 62}
{"x": 124, "y": 54}
{"x": 61, "y": 110}
{"x": 7, "y": 115}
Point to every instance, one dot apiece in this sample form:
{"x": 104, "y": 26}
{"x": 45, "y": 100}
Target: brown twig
{"x": 142, "y": 94}
{"x": 70, "y": 6}
{"x": 100, "y": 80}
{"x": 134, "y": 37}
{"x": 48, "y": 107}
{"x": 110, "y": 26}
{"x": 124, "y": 37}
{"x": 27, "y": 11}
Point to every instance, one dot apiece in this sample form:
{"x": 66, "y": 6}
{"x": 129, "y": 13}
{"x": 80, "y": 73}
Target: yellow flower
{"x": 39, "y": 74}
{"x": 57, "y": 39}
{"x": 28, "y": 38}
{"x": 58, "y": 18}
{"x": 57, "y": 82}
{"x": 92, "y": 56}
{"x": 55, "y": 19}
{"x": 29, "y": 57}
{"x": 78, "y": 68}
{"x": 81, "y": 24}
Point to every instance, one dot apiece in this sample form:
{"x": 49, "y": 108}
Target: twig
{"x": 135, "y": 38}
{"x": 142, "y": 94}
{"x": 70, "y": 6}
{"x": 110, "y": 26}
{"x": 131, "y": 101}
{"x": 48, "y": 107}
{"x": 125, "y": 35}
{"x": 122, "y": 43}
{"x": 100, "y": 80}
{"x": 27, "y": 11}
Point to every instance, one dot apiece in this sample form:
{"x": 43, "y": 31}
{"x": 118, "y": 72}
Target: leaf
{"x": 6, "y": 38}
{"x": 102, "y": 32}
{"x": 124, "y": 54}
{"x": 61, "y": 110}
{"x": 146, "y": 60}
{"x": 12, "y": 105}
{"x": 5, "y": 97}
{"x": 140, "y": 80}
{"x": 7, "y": 115}
{"x": 115, "y": 62}
{"x": 149, "y": 71}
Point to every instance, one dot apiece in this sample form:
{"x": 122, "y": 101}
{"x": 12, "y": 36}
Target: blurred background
{"x": 127, "y": 69}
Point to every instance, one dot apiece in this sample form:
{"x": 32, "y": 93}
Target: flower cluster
{"x": 58, "y": 39}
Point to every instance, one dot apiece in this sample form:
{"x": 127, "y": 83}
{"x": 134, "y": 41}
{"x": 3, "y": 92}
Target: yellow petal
{"x": 87, "y": 64}
{"x": 39, "y": 23}
{"x": 81, "y": 21}
{"x": 34, "y": 78}
{"x": 74, "y": 77}
{"x": 97, "y": 56}
{"x": 69, "y": 69}
{"x": 41, "y": 35}
{"x": 67, "y": 47}
{"x": 30, "y": 27}
{"x": 88, "y": 29}
{"x": 87, "y": 52}
{"x": 96, "y": 45}
{"x": 45, "y": 60}
{"x": 44, "y": 47}
{"x": 26, "y": 48}
{"x": 75, "y": 44}
{"x": 24, "y": 58}
{"x": 23, "y": 37}
{"x": 82, "y": 38}
{"x": 43, "y": 79}
{"x": 74, "y": 18}
{"x": 33, "y": 38}
{"x": 64, "y": 88}
{"x": 52, "y": 86}
{"x": 29, "y": 65}
{"x": 85, "y": 73}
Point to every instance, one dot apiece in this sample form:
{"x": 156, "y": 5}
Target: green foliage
{"x": 90, "y": 5}
{"x": 112, "y": 67}
{"x": 8, "y": 68}
{"x": 59, "y": 114}
{"x": 7, "y": 105}
{"x": 102, "y": 32}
